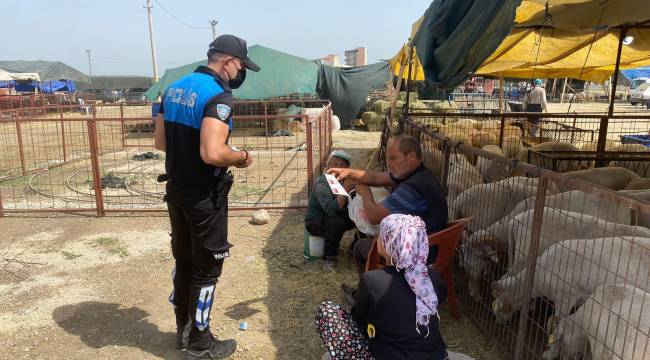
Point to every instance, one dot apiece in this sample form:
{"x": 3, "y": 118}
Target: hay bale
{"x": 418, "y": 105}
{"x": 412, "y": 97}
{"x": 372, "y": 120}
{"x": 380, "y": 106}
{"x": 481, "y": 139}
{"x": 444, "y": 105}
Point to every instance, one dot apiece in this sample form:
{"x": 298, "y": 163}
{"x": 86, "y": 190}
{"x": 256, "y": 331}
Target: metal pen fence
{"x": 550, "y": 266}
{"x": 101, "y": 158}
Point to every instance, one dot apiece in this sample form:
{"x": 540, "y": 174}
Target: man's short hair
{"x": 214, "y": 56}
{"x": 407, "y": 143}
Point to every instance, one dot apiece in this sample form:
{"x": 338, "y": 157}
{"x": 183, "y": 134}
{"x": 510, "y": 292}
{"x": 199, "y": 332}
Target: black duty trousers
{"x": 199, "y": 241}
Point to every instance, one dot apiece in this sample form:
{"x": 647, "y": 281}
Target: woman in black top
{"x": 395, "y": 313}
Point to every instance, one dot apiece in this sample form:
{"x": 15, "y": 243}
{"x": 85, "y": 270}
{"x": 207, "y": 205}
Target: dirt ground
{"x": 97, "y": 288}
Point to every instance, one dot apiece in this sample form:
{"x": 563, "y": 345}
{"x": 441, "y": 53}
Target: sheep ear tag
{"x": 494, "y": 305}
{"x": 371, "y": 331}
{"x": 551, "y": 340}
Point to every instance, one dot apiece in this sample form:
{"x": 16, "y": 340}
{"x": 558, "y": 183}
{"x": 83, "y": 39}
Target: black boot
{"x": 203, "y": 345}
{"x": 183, "y": 326}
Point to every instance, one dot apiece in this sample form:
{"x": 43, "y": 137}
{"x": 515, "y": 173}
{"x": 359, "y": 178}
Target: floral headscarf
{"x": 405, "y": 240}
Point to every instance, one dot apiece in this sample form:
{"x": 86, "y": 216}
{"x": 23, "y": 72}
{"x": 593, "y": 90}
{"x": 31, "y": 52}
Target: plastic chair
{"x": 447, "y": 241}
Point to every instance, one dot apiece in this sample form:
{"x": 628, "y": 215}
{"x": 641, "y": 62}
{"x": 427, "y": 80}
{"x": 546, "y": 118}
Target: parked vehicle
{"x": 135, "y": 95}
{"x": 104, "y": 95}
{"x": 640, "y": 94}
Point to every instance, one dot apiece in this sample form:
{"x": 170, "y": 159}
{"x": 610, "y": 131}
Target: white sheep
{"x": 487, "y": 203}
{"x": 640, "y": 167}
{"x": 491, "y": 171}
{"x": 511, "y": 146}
{"x": 508, "y": 240}
{"x": 462, "y": 175}
{"x": 569, "y": 271}
{"x": 638, "y": 184}
{"x": 615, "y": 178}
{"x": 614, "y": 323}
{"x": 480, "y": 139}
{"x": 544, "y": 162}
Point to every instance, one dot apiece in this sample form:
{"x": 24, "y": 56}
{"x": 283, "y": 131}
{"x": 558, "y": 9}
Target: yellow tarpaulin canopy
{"x": 556, "y": 46}
{"x": 562, "y": 43}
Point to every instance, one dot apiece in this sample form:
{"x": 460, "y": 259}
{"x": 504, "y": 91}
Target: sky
{"x": 116, "y": 32}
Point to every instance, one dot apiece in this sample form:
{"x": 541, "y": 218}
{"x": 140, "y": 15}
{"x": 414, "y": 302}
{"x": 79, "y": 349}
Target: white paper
{"x": 335, "y": 186}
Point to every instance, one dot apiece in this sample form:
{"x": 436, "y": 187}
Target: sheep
{"x": 546, "y": 146}
{"x": 502, "y": 196}
{"x": 593, "y": 146}
{"x": 615, "y": 178}
{"x": 567, "y": 272}
{"x": 641, "y": 167}
{"x": 613, "y": 323}
{"x": 434, "y": 157}
{"x": 558, "y": 225}
{"x": 508, "y": 240}
{"x": 512, "y": 145}
{"x": 491, "y": 171}
{"x": 640, "y": 218}
{"x": 462, "y": 175}
{"x": 638, "y": 184}
{"x": 480, "y": 139}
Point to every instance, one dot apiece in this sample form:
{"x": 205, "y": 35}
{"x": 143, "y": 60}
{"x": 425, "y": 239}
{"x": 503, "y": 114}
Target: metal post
{"x": 266, "y": 125}
{"x": 90, "y": 70}
{"x": 213, "y": 24}
{"x": 409, "y": 83}
{"x": 563, "y": 90}
{"x": 501, "y": 131}
{"x": 617, "y": 68}
{"x": 445, "y": 165}
{"x": 538, "y": 216}
{"x": 65, "y": 153}
{"x": 123, "y": 126}
{"x": 152, "y": 41}
{"x": 21, "y": 148}
{"x": 501, "y": 94}
{"x": 310, "y": 160}
{"x": 602, "y": 139}
{"x": 94, "y": 161}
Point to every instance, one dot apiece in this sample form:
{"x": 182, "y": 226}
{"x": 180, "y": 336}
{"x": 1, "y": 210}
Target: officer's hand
{"x": 247, "y": 163}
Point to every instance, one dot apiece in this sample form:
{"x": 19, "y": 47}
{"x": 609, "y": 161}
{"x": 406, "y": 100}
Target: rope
{"x": 600, "y": 19}
{"x": 179, "y": 20}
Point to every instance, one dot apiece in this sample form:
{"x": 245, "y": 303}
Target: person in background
{"x": 416, "y": 191}
{"x": 327, "y": 214}
{"x": 395, "y": 315}
{"x": 535, "y": 102}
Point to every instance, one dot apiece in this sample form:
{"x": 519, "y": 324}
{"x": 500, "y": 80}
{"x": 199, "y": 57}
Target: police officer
{"x": 193, "y": 128}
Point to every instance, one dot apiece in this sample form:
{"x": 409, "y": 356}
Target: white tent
{"x": 5, "y": 75}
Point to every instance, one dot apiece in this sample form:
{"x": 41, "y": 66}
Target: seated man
{"x": 327, "y": 214}
{"x": 416, "y": 191}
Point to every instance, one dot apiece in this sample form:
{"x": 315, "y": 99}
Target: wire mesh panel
{"x": 101, "y": 157}
{"x": 549, "y": 266}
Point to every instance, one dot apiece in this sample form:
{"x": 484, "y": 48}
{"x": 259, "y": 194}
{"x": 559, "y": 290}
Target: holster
{"x": 222, "y": 189}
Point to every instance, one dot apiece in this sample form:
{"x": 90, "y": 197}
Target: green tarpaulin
{"x": 117, "y": 82}
{"x": 456, "y": 36}
{"x": 281, "y": 75}
{"x": 348, "y": 88}
{"x": 47, "y": 70}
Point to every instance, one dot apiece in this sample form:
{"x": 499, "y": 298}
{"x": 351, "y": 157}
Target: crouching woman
{"x": 395, "y": 315}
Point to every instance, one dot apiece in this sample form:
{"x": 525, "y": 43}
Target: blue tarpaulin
{"x": 47, "y": 87}
{"x": 632, "y": 74}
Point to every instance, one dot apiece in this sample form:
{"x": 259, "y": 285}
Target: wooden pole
{"x": 553, "y": 90}
{"x": 402, "y": 67}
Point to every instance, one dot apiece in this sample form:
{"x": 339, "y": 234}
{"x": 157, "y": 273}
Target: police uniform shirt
{"x": 184, "y": 105}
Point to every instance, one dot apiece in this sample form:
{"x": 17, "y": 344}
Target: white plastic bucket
{"x": 314, "y": 246}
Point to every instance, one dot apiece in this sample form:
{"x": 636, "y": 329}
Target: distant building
{"x": 331, "y": 60}
{"x": 356, "y": 57}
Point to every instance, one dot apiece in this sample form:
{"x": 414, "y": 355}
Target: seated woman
{"x": 395, "y": 313}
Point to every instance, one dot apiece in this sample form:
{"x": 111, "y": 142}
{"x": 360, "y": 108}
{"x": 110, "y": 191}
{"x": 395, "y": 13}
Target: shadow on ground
{"x": 100, "y": 325}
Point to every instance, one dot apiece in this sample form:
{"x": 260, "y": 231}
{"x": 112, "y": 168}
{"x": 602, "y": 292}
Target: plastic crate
{"x": 636, "y": 139}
